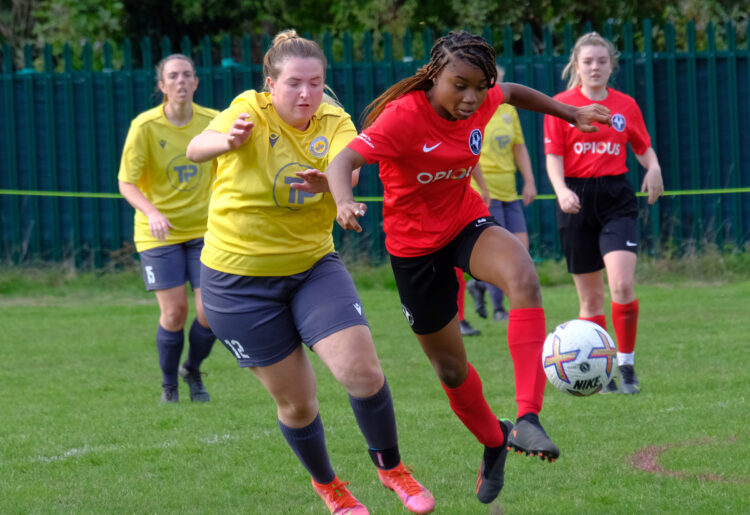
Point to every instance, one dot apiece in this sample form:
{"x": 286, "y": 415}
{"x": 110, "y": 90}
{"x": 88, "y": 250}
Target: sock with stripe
{"x": 377, "y": 421}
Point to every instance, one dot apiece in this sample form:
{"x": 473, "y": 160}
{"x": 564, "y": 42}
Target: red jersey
{"x": 595, "y": 154}
{"x": 425, "y": 166}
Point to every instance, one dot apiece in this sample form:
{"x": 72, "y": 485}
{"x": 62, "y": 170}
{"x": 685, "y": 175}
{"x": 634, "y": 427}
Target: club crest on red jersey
{"x": 618, "y": 122}
{"x": 475, "y": 142}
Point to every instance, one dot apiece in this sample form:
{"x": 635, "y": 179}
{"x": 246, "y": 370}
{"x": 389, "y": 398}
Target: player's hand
{"x": 653, "y": 184}
{"x": 347, "y": 214}
{"x": 240, "y": 131}
{"x": 585, "y": 117}
{"x": 485, "y": 194}
{"x": 528, "y": 193}
{"x": 159, "y": 225}
{"x": 569, "y": 202}
{"x": 315, "y": 181}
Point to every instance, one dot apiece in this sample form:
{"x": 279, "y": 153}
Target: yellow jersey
{"x": 257, "y": 224}
{"x": 153, "y": 158}
{"x": 496, "y": 160}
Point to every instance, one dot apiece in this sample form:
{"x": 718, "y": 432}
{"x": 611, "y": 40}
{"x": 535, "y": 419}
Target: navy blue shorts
{"x": 509, "y": 215}
{"x": 262, "y": 320}
{"x": 172, "y": 265}
{"x": 607, "y": 221}
{"x": 427, "y": 284}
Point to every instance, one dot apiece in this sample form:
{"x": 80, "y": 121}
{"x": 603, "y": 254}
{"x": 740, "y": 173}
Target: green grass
{"x": 81, "y": 429}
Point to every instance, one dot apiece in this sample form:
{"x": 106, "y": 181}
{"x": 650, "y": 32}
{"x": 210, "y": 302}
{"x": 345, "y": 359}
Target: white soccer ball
{"x": 579, "y": 357}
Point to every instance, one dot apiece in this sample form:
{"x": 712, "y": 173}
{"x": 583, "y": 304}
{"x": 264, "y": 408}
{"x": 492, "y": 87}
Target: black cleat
{"x": 477, "y": 293}
{"x": 528, "y": 436}
{"x": 500, "y": 315}
{"x": 193, "y": 379}
{"x": 628, "y": 380}
{"x": 491, "y": 475}
{"x": 169, "y": 393}
{"x": 610, "y": 387}
{"x": 468, "y": 330}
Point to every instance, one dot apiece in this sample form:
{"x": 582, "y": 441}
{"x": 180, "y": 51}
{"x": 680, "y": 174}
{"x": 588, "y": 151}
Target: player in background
{"x": 272, "y": 279}
{"x": 596, "y": 205}
{"x": 505, "y": 149}
{"x": 426, "y": 134}
{"x": 170, "y": 195}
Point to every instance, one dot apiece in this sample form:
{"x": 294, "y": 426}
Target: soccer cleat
{"x": 169, "y": 393}
{"x": 477, "y": 293}
{"x": 468, "y": 330}
{"x": 490, "y": 479}
{"x": 628, "y": 380}
{"x": 339, "y": 499}
{"x": 416, "y": 498}
{"x": 530, "y": 438}
{"x": 500, "y": 315}
{"x": 610, "y": 387}
{"x": 193, "y": 379}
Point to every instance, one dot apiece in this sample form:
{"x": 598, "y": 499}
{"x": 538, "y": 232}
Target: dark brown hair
{"x": 455, "y": 45}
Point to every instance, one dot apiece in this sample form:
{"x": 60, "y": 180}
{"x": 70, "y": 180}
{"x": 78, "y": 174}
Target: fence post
{"x": 90, "y": 144}
{"x": 695, "y": 178}
{"x": 227, "y": 65}
{"x": 648, "y": 54}
{"x": 207, "y": 98}
{"x": 10, "y": 157}
{"x": 111, "y": 144}
{"x": 734, "y": 131}
{"x": 673, "y": 181}
{"x": 508, "y": 56}
{"x": 247, "y": 62}
{"x": 148, "y": 70}
{"x": 71, "y": 143}
{"x": 713, "y": 125}
{"x": 49, "y": 89}
{"x": 29, "y": 111}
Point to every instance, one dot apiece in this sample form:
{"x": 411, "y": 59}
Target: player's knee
{"x": 362, "y": 380}
{"x": 451, "y": 372}
{"x": 621, "y": 290}
{"x": 524, "y": 286}
{"x": 175, "y": 315}
{"x": 299, "y": 412}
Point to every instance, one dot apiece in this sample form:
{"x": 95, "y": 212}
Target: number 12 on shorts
{"x": 236, "y": 348}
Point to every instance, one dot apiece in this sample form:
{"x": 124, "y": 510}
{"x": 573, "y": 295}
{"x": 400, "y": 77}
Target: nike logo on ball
{"x": 425, "y": 148}
{"x": 630, "y": 243}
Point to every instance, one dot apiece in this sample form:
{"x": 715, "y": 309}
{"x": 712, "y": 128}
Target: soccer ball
{"x": 579, "y": 357}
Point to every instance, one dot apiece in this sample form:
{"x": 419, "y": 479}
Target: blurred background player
{"x": 505, "y": 149}
{"x": 596, "y": 205}
{"x": 272, "y": 279}
{"x": 425, "y": 132}
{"x": 170, "y": 195}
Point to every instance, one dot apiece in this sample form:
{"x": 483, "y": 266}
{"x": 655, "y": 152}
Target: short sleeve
{"x": 554, "y": 135}
{"x": 517, "y": 131}
{"x": 344, "y": 133}
{"x": 384, "y": 140}
{"x": 224, "y": 120}
{"x": 638, "y": 136}
{"x": 133, "y": 161}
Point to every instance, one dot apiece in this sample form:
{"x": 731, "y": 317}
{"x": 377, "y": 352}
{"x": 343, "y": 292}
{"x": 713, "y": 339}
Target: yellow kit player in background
{"x": 170, "y": 195}
{"x": 271, "y": 278}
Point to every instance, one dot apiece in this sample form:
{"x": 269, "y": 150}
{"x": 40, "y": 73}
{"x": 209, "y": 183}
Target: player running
{"x": 272, "y": 279}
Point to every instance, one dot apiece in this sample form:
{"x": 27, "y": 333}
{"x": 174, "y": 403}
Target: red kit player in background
{"x": 596, "y": 205}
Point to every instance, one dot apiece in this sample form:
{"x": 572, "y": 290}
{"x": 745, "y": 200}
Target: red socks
{"x": 526, "y": 334}
{"x": 625, "y": 322}
{"x": 461, "y": 292}
{"x": 600, "y": 320}
{"x": 469, "y": 404}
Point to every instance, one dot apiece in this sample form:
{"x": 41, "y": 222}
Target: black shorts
{"x": 427, "y": 284}
{"x": 607, "y": 221}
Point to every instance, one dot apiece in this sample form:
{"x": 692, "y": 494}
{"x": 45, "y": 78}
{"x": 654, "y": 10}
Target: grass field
{"x": 81, "y": 429}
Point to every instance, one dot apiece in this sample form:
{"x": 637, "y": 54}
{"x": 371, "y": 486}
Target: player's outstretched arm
{"x": 532, "y": 100}
{"x": 210, "y": 144}
{"x": 340, "y": 175}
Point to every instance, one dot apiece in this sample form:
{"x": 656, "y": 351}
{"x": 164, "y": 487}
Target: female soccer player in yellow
{"x": 271, "y": 278}
{"x": 170, "y": 195}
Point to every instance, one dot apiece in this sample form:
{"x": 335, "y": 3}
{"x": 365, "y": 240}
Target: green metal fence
{"x": 62, "y": 128}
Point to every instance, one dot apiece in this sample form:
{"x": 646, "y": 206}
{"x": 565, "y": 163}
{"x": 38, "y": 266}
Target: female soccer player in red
{"x": 272, "y": 279}
{"x": 426, "y": 133}
{"x": 596, "y": 205}
{"x": 170, "y": 195}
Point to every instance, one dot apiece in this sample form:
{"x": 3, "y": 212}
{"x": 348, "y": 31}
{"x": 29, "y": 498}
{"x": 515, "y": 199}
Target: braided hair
{"x": 455, "y": 45}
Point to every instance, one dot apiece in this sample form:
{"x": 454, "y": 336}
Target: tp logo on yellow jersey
{"x": 183, "y": 174}
{"x": 286, "y": 196}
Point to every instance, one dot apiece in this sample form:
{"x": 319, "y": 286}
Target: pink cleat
{"x": 339, "y": 499}
{"x": 415, "y": 497}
